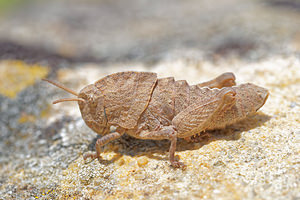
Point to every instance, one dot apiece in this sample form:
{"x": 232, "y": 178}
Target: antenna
{"x": 66, "y": 89}
{"x": 61, "y": 86}
{"x": 68, "y": 99}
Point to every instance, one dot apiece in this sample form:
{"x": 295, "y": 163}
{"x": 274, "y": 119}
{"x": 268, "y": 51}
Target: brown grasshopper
{"x": 145, "y": 107}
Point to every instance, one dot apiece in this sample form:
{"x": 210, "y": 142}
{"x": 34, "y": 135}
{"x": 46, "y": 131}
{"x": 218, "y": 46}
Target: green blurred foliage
{"x": 6, "y": 5}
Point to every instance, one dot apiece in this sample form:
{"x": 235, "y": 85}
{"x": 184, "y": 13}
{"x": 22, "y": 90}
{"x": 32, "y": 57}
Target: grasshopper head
{"x": 93, "y": 110}
{"x": 90, "y": 101}
{"x": 262, "y": 96}
{"x": 251, "y": 97}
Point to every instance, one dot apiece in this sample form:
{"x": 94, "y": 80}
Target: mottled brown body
{"x": 139, "y": 104}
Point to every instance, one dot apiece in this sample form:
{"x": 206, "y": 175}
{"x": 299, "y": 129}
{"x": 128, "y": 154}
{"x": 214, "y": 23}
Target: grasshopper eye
{"x": 264, "y": 96}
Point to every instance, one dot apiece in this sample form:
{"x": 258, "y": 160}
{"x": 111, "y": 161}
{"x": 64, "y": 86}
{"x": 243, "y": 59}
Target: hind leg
{"x": 201, "y": 116}
{"x": 224, "y": 80}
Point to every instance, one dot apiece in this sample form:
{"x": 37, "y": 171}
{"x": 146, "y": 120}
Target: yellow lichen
{"x": 17, "y": 75}
{"x": 24, "y": 118}
{"x": 46, "y": 112}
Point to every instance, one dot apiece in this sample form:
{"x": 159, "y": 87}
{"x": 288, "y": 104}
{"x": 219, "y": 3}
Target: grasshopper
{"x": 146, "y": 107}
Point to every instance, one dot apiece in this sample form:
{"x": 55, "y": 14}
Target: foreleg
{"x": 101, "y": 142}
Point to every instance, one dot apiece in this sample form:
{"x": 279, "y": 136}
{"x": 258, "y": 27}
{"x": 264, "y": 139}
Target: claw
{"x": 198, "y": 137}
{"x": 90, "y": 155}
{"x": 177, "y": 164}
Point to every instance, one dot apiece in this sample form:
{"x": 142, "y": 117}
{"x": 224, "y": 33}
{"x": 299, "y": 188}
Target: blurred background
{"x": 79, "y": 41}
{"x": 139, "y": 30}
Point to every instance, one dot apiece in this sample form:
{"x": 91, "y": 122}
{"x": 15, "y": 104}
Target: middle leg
{"x": 167, "y": 132}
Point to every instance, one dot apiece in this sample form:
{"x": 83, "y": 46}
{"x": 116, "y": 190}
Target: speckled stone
{"x": 256, "y": 158}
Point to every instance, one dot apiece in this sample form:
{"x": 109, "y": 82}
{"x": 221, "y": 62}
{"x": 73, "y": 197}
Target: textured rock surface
{"x": 42, "y": 144}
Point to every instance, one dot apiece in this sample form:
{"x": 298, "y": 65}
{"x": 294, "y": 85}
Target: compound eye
{"x": 91, "y": 97}
{"x": 93, "y": 101}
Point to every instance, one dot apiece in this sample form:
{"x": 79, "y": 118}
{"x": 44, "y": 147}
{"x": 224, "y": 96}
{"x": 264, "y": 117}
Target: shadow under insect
{"x": 157, "y": 149}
